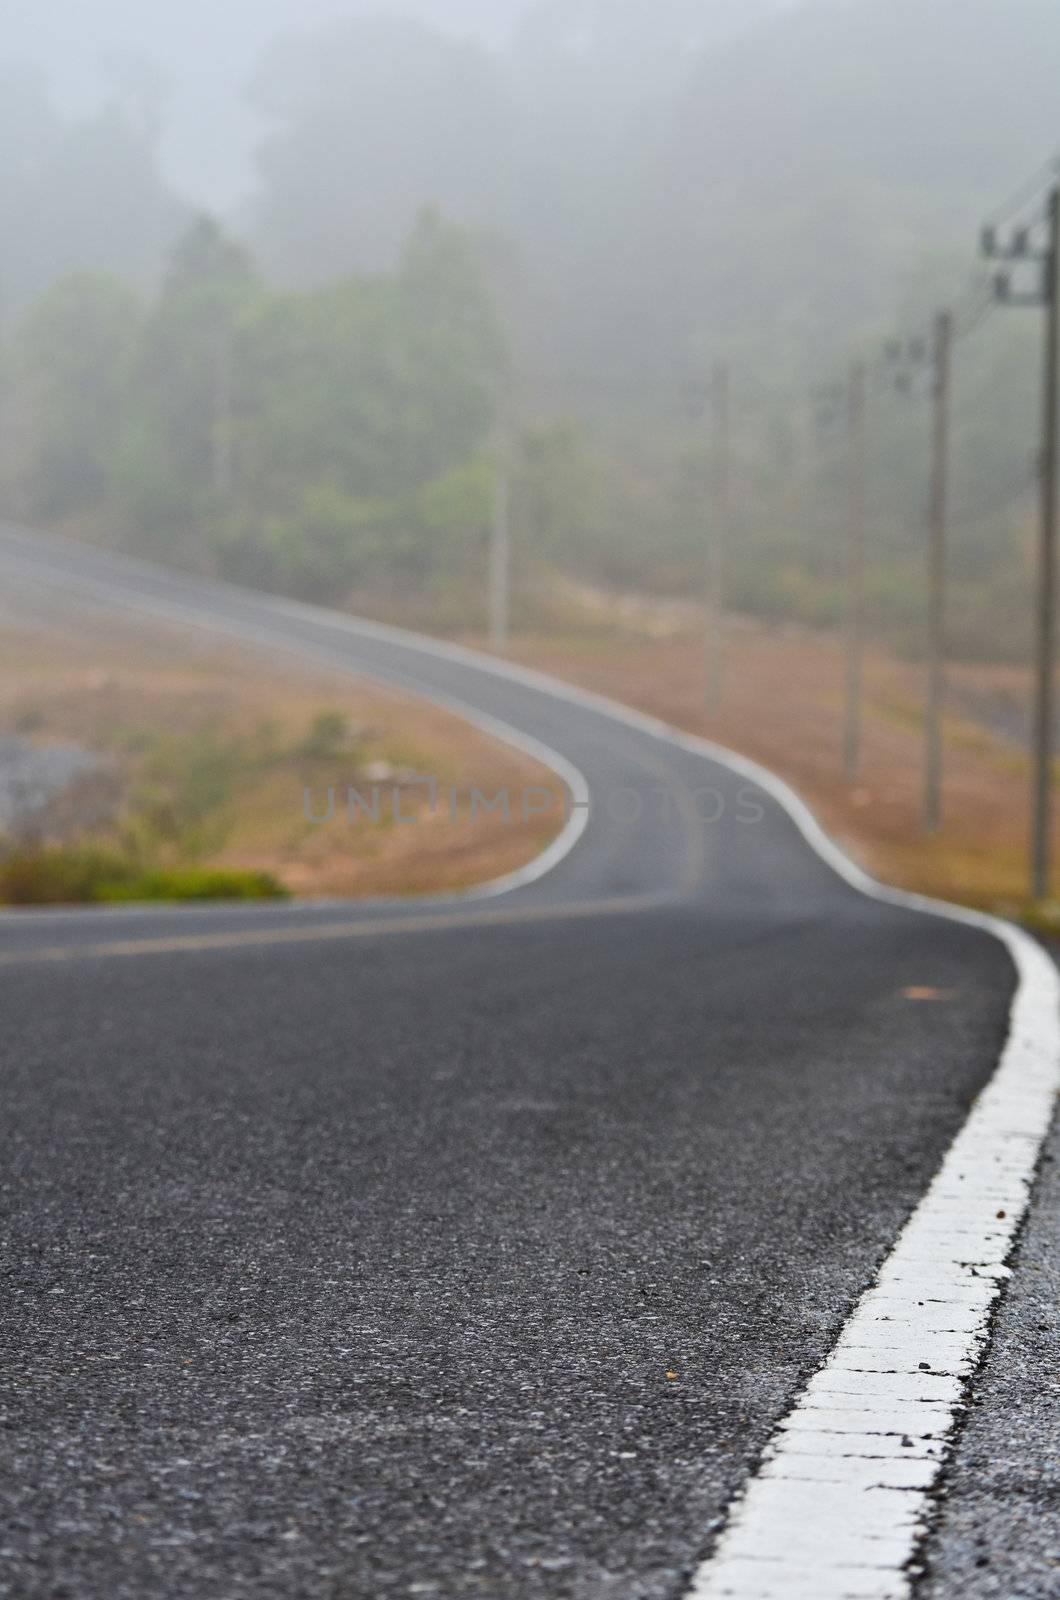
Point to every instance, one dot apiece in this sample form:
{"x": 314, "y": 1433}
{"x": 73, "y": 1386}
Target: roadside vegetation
{"x": 213, "y": 772}
{"x": 783, "y": 705}
{"x": 308, "y": 442}
{"x": 66, "y": 876}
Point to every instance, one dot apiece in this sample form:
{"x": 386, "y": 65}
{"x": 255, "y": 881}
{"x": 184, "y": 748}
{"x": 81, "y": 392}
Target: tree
{"x": 358, "y": 398}
{"x": 70, "y": 373}
{"x": 182, "y": 427}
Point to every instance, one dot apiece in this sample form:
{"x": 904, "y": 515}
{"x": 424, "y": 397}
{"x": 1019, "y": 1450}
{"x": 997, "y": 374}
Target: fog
{"x": 202, "y": 55}
{"x": 431, "y": 214}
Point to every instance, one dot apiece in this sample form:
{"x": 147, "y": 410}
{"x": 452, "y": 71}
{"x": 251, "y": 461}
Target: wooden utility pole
{"x": 1018, "y": 250}
{"x": 1046, "y": 655}
{"x": 717, "y": 558}
{"x": 222, "y": 415}
{"x": 856, "y": 396}
{"x": 936, "y": 669}
{"x": 500, "y": 542}
{"x": 5, "y": 409}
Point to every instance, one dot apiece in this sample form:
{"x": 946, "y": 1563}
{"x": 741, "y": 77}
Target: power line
{"x": 980, "y": 304}
{"x": 1039, "y": 181}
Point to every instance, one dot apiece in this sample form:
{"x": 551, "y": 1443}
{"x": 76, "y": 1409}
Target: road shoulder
{"x": 998, "y": 1531}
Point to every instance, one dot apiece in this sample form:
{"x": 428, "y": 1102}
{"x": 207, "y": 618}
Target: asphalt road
{"x": 467, "y": 1251}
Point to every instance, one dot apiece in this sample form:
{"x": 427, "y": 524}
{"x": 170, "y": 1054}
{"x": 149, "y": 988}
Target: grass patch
{"x": 328, "y": 738}
{"x": 1042, "y": 918}
{"x": 70, "y": 876}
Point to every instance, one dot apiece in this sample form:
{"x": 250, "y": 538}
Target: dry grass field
{"x": 206, "y": 755}
{"x": 783, "y": 705}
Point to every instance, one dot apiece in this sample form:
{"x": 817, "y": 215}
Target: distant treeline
{"x": 321, "y": 441}
{"x": 630, "y": 194}
{"x": 308, "y": 441}
{"x": 342, "y": 441}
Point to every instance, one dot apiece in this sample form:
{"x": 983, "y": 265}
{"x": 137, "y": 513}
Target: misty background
{"x": 270, "y": 274}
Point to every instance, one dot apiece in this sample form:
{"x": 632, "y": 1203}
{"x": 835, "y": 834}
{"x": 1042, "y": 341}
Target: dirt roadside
{"x": 210, "y": 756}
{"x": 783, "y": 705}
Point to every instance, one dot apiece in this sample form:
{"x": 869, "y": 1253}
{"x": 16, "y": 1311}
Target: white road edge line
{"x": 843, "y": 1494}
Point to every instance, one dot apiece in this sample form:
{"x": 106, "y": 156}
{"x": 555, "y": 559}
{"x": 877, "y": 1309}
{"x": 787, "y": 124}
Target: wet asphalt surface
{"x": 476, "y": 1260}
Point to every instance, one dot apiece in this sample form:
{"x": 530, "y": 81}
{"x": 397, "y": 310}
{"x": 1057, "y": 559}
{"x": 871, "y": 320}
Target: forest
{"x": 545, "y": 237}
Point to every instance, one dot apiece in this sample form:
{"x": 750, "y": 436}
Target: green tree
{"x": 362, "y": 399}
{"x": 70, "y": 372}
{"x": 173, "y": 469}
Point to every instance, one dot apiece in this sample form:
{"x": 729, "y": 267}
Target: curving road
{"x": 468, "y": 1249}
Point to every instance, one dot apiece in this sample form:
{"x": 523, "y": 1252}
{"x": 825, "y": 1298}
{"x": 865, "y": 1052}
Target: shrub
{"x": 73, "y": 876}
{"x": 328, "y": 737}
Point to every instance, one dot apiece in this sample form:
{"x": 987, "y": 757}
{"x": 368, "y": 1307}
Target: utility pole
{"x": 1048, "y": 295}
{"x": 717, "y": 558}
{"x": 5, "y": 409}
{"x": 222, "y": 415}
{"x": 500, "y": 542}
{"x": 905, "y": 360}
{"x": 936, "y": 684}
{"x": 1044, "y": 720}
{"x": 856, "y": 396}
